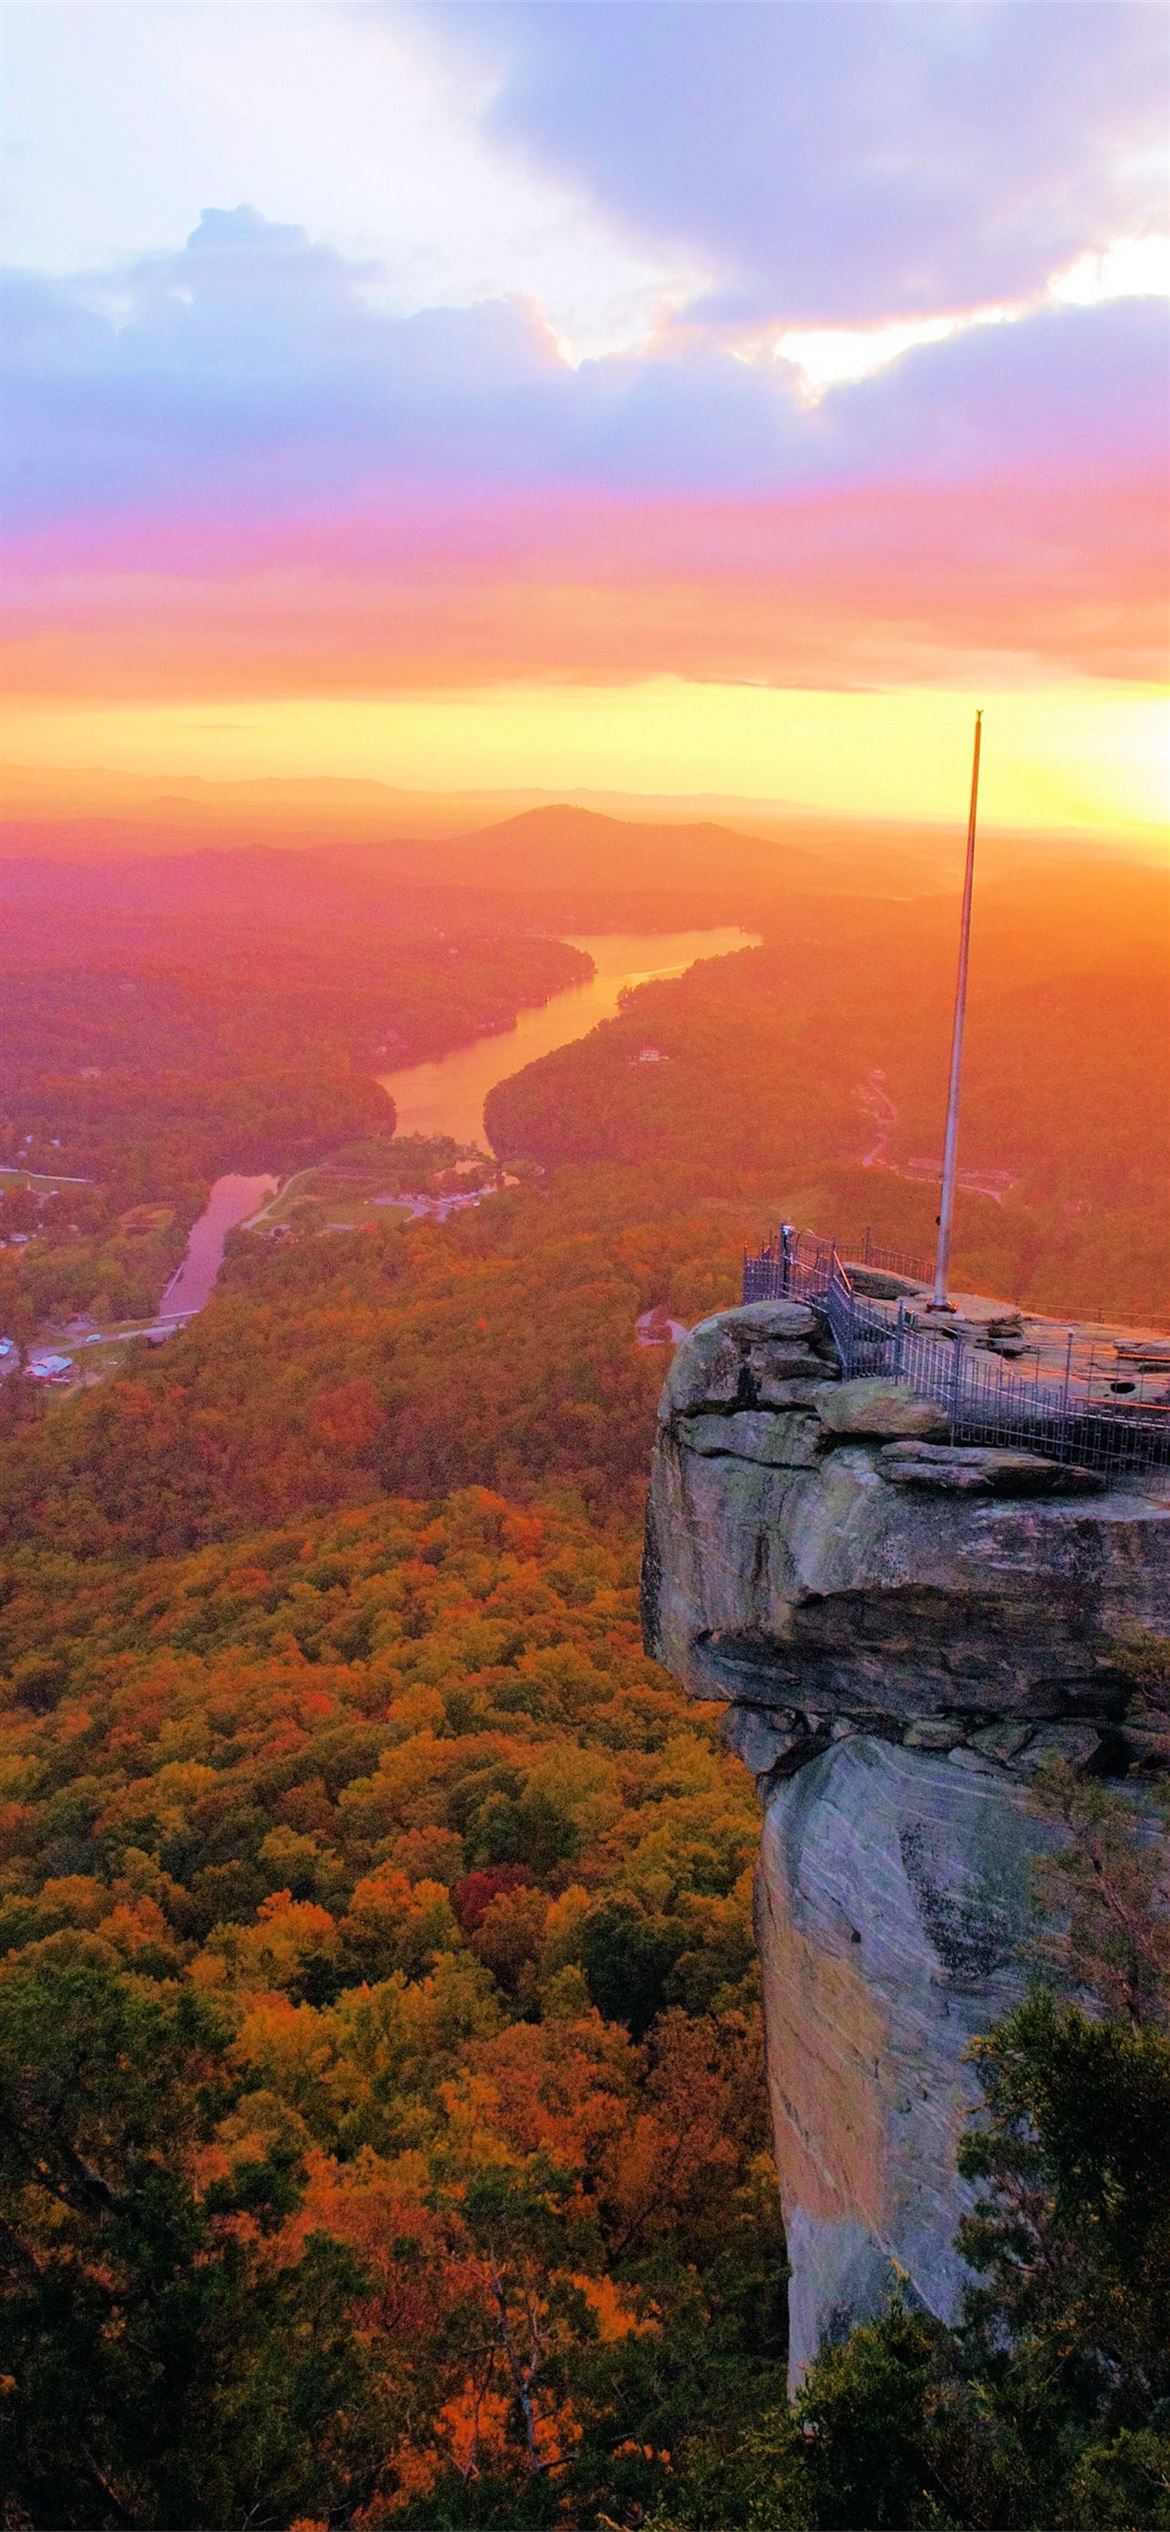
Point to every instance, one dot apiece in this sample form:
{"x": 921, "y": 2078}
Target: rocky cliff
{"x": 901, "y": 1632}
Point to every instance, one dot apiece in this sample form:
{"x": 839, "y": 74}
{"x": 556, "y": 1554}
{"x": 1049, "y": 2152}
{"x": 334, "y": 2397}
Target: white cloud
{"x": 834, "y": 356}
{"x": 1131, "y": 268}
{"x": 124, "y": 122}
{"x": 841, "y": 162}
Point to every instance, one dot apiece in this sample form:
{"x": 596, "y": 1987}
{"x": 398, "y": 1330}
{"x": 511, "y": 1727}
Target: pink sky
{"x": 358, "y": 457}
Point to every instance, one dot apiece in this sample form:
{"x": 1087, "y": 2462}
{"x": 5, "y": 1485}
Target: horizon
{"x": 449, "y": 414}
{"x": 60, "y": 802}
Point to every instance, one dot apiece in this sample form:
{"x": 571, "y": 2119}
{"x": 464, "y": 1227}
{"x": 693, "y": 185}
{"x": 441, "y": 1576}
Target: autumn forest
{"x": 384, "y": 2136}
{"x": 584, "y": 1782}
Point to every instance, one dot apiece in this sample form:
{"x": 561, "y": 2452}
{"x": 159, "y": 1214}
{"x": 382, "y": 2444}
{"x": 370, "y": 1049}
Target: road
{"x": 875, "y": 1102}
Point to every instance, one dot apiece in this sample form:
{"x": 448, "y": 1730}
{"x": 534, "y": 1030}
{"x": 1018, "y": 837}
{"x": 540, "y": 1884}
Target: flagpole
{"x": 946, "y": 1206}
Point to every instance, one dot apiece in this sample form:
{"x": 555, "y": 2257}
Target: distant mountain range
{"x": 86, "y": 814}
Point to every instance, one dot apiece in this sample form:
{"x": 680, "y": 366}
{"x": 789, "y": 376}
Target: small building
{"x": 51, "y": 1367}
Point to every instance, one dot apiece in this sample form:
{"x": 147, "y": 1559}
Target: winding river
{"x": 447, "y": 1096}
{"x": 232, "y": 1199}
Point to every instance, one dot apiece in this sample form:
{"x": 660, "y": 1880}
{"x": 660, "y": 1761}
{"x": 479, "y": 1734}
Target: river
{"x": 232, "y": 1199}
{"x": 447, "y": 1096}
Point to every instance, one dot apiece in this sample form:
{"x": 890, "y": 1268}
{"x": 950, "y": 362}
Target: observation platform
{"x": 1070, "y": 1388}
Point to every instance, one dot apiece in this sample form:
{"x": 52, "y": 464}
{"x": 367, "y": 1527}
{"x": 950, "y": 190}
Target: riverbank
{"x": 438, "y": 1103}
{"x": 447, "y": 1096}
{"x": 233, "y": 1198}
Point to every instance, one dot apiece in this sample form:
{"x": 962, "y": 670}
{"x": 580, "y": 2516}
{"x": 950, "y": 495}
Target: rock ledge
{"x": 902, "y": 1631}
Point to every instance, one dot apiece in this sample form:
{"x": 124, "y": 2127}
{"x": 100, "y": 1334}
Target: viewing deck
{"x": 1072, "y": 1390}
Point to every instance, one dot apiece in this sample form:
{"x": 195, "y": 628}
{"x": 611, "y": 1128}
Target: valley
{"x": 584, "y": 1523}
{"x": 339, "y": 1790}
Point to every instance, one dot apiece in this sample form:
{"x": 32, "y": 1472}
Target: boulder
{"x": 1002, "y": 1741}
{"x": 773, "y": 1372}
{"x": 977, "y": 1469}
{"x": 933, "y": 1733}
{"x": 727, "y": 1358}
{"x": 786, "y": 1319}
{"x": 705, "y": 1372}
{"x": 757, "y": 1735}
{"x": 883, "y": 1410}
{"x": 774, "y": 1441}
{"x": 1077, "y": 1745}
{"x": 770, "y": 1743}
{"x": 880, "y": 1283}
{"x": 782, "y": 1396}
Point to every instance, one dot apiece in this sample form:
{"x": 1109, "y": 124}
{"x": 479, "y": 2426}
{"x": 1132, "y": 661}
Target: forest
{"x": 384, "y": 2126}
{"x": 564, "y": 562}
{"x": 383, "y": 2132}
{"x": 818, "y": 1062}
{"x": 140, "y": 1057}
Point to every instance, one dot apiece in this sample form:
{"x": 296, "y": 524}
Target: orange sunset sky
{"x": 670, "y": 399}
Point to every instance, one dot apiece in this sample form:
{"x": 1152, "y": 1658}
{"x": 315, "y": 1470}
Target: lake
{"x": 231, "y": 1201}
{"x": 447, "y": 1096}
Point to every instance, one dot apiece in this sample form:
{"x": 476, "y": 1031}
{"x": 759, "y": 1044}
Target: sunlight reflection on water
{"x": 447, "y": 1096}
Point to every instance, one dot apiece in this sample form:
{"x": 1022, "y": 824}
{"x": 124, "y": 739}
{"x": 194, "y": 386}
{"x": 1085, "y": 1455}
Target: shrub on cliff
{"x": 884, "y": 2433}
{"x": 1070, "y": 2238}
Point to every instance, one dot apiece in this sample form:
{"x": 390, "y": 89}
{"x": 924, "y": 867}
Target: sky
{"x": 703, "y": 397}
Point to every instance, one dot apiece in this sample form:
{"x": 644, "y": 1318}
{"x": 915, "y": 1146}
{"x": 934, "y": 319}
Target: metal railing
{"x": 984, "y": 1399}
{"x": 891, "y": 1261}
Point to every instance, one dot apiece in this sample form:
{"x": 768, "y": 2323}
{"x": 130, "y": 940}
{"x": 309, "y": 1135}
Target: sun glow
{"x": 1070, "y": 754}
{"x": 835, "y": 356}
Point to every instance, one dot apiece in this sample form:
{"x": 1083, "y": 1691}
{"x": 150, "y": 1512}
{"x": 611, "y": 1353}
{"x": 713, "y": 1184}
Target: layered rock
{"x": 901, "y": 1631}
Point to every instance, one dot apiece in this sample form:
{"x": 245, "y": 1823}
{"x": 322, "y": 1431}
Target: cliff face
{"x": 901, "y": 1631}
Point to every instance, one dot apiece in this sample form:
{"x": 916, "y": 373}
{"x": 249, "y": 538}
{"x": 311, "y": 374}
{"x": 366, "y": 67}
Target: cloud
{"x": 840, "y": 161}
{"x": 232, "y": 471}
{"x": 121, "y": 121}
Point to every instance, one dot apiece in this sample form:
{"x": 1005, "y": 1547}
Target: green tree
{"x": 1107, "y": 1889}
{"x": 627, "y": 1956}
{"x": 1069, "y": 2324}
{"x": 883, "y": 2432}
{"x": 159, "y": 2368}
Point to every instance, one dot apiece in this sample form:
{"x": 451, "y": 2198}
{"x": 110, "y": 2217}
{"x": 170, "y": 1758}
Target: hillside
{"x": 827, "y": 1050}
{"x": 375, "y": 1871}
{"x": 552, "y": 867}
